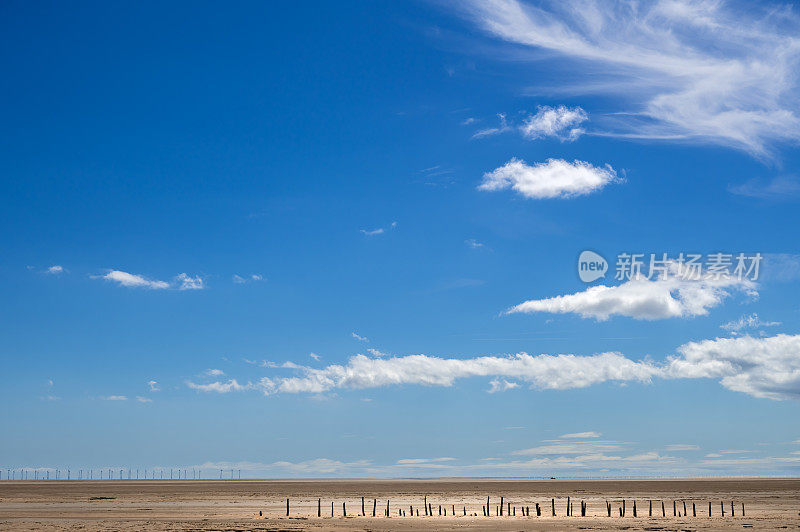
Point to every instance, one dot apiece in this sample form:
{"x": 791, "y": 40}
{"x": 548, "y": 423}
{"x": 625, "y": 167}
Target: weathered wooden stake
{"x": 538, "y": 510}
{"x": 387, "y": 507}
{"x": 674, "y": 509}
{"x": 454, "y": 510}
{"x": 553, "y": 502}
{"x": 319, "y": 507}
{"x": 568, "y": 512}
{"x": 374, "y": 506}
{"x": 363, "y": 511}
{"x": 331, "y": 508}
{"x": 426, "y": 505}
{"x": 440, "y": 509}
{"x": 344, "y": 509}
{"x": 694, "y": 511}
{"x": 287, "y": 507}
{"x": 623, "y": 507}
{"x": 484, "y": 510}
{"x": 501, "y": 506}
{"x": 608, "y": 508}
{"x": 650, "y": 511}
{"x": 465, "y": 510}
{"x": 634, "y": 508}
{"x": 684, "y": 509}
{"x": 709, "y": 508}
{"x": 722, "y": 507}
{"x": 742, "y": 509}
{"x": 733, "y": 513}
{"x": 663, "y": 511}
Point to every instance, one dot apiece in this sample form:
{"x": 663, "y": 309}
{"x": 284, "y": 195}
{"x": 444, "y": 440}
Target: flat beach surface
{"x": 769, "y": 504}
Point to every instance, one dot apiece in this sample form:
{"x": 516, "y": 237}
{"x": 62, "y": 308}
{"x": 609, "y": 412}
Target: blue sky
{"x": 342, "y": 239}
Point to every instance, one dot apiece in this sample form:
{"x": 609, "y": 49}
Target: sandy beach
{"x": 261, "y": 505}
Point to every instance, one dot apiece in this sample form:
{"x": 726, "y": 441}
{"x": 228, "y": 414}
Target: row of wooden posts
{"x": 525, "y": 511}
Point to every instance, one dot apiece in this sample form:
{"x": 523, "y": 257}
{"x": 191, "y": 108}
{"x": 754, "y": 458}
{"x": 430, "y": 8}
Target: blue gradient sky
{"x": 273, "y": 140}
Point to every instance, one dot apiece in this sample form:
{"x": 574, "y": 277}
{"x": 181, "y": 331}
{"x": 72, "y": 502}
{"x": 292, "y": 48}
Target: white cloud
{"x": 238, "y": 279}
{"x": 572, "y": 447}
{"x": 314, "y": 356}
{"x": 676, "y": 447}
{"x": 501, "y": 385}
{"x": 153, "y": 386}
{"x": 778, "y": 189}
{"x": 560, "y": 122}
{"x": 751, "y": 321}
{"x": 115, "y": 398}
{"x": 214, "y": 372}
{"x": 555, "y": 178}
{"x": 468, "y": 121}
{"x": 141, "y": 399}
{"x": 359, "y": 337}
{"x": 474, "y": 244}
{"x": 553, "y": 372}
{"x": 187, "y": 282}
{"x": 589, "y": 434}
{"x": 671, "y": 296}
{"x": 131, "y": 280}
{"x": 373, "y": 232}
{"x": 377, "y": 353}
{"x": 714, "y": 71}
{"x": 761, "y": 367}
{"x": 220, "y": 387}
{"x": 55, "y": 270}
{"x": 490, "y": 131}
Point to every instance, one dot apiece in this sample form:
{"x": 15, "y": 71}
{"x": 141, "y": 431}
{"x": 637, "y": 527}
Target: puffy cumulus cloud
{"x": 55, "y": 270}
{"x": 704, "y": 70}
{"x": 132, "y": 280}
{"x": 555, "y": 178}
{"x": 761, "y": 367}
{"x": 671, "y": 296}
{"x": 501, "y": 385}
{"x": 560, "y": 122}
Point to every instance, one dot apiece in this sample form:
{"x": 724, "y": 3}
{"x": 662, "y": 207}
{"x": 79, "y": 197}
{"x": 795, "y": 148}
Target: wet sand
{"x": 770, "y": 504}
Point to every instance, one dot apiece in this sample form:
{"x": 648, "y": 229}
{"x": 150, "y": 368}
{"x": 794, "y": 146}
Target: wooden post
{"x": 509, "y": 509}
{"x": 568, "y": 512}
{"x": 426, "y": 505}
{"x": 440, "y": 509}
{"x": 684, "y": 509}
{"x": 430, "y": 509}
{"x": 663, "y": 511}
{"x": 650, "y": 512}
{"x": 363, "y": 512}
{"x": 465, "y": 510}
{"x": 608, "y": 508}
{"x": 344, "y": 509}
{"x": 487, "y": 507}
{"x": 722, "y": 507}
{"x": 538, "y": 510}
{"x": 411, "y": 510}
{"x": 742, "y": 509}
{"x": 374, "y": 506}
{"x": 553, "y": 502}
{"x": 387, "y": 507}
{"x": 501, "y": 506}
{"x": 623, "y": 507}
{"x": 694, "y": 511}
{"x": 634, "y": 508}
{"x": 331, "y": 508}
{"x": 287, "y": 507}
{"x": 454, "y": 510}
{"x": 674, "y": 509}
{"x": 319, "y": 507}
{"x": 484, "y": 510}
{"x": 733, "y": 513}
{"x": 709, "y": 508}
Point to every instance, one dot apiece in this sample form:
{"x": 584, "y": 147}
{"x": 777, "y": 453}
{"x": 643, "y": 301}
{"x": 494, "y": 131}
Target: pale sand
{"x": 770, "y": 504}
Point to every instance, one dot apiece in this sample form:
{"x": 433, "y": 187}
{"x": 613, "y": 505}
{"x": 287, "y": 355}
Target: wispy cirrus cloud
{"x": 722, "y": 72}
{"x": 748, "y": 321}
{"x": 555, "y": 178}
